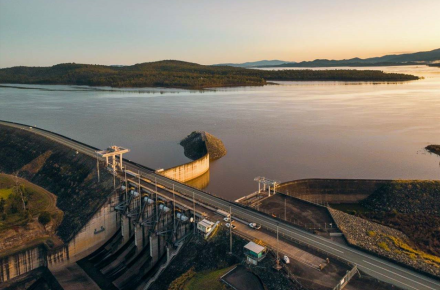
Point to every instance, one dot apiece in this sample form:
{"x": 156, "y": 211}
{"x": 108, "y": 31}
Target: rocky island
{"x": 199, "y": 143}
{"x": 433, "y": 149}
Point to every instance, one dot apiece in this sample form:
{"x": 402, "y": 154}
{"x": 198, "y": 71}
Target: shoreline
{"x": 83, "y": 88}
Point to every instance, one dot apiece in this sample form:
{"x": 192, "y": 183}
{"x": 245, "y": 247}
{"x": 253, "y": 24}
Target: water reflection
{"x": 200, "y": 182}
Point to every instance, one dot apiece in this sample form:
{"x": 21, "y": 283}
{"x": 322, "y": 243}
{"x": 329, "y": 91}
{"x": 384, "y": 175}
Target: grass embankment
{"x": 208, "y": 280}
{"x": 5, "y": 193}
{"x": 13, "y": 191}
{"x": 179, "y": 74}
{"x": 59, "y": 170}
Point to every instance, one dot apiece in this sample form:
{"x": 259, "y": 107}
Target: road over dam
{"x": 377, "y": 267}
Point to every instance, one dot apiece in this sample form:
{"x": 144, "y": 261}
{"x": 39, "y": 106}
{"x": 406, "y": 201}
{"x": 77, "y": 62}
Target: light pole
{"x": 277, "y": 266}
{"x": 278, "y": 259}
{"x": 230, "y": 230}
{"x": 140, "y": 195}
{"x": 126, "y": 187}
{"x": 97, "y": 165}
{"x": 194, "y": 209}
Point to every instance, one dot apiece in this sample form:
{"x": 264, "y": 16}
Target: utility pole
{"x": 97, "y": 167}
{"x": 285, "y": 211}
{"x": 126, "y": 187}
{"x": 194, "y": 209}
{"x": 140, "y": 195}
{"x": 278, "y": 259}
{"x": 230, "y": 230}
{"x": 174, "y": 212}
{"x": 157, "y": 210}
{"x": 277, "y": 265}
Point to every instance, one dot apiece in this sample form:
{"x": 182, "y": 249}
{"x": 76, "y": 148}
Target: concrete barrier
{"x": 332, "y": 190}
{"x": 188, "y": 171}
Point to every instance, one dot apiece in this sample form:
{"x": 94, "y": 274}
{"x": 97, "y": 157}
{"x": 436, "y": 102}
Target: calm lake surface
{"x": 289, "y": 131}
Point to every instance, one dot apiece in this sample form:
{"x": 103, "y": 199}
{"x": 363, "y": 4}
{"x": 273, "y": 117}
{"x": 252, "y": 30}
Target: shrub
{"x": 44, "y": 218}
{"x": 371, "y": 233}
{"x": 384, "y": 246}
{"x": 180, "y": 282}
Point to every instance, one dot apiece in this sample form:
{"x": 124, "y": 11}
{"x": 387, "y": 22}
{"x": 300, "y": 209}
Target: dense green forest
{"x": 178, "y": 74}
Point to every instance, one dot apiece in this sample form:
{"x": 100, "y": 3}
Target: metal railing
{"x": 344, "y": 281}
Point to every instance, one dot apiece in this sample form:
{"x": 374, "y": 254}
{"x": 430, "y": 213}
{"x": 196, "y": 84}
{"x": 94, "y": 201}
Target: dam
{"x": 145, "y": 221}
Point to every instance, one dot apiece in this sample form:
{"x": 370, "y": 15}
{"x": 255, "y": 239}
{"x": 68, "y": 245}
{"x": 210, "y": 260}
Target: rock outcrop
{"x": 199, "y": 143}
{"x": 384, "y": 241}
{"x": 433, "y": 149}
{"x": 406, "y": 196}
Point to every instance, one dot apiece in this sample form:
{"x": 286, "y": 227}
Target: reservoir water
{"x": 288, "y": 131}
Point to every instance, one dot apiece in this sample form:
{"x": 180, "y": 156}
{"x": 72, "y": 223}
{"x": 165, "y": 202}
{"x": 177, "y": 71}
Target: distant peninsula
{"x": 179, "y": 74}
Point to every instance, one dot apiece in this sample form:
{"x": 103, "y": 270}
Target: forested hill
{"x": 178, "y": 74}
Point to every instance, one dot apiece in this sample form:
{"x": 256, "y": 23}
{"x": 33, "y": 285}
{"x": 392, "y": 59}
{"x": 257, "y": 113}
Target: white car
{"x": 227, "y": 219}
{"x": 254, "y": 226}
{"x": 228, "y": 225}
{"x": 286, "y": 259}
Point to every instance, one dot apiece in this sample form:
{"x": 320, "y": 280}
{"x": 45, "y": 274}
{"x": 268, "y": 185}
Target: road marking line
{"x": 397, "y": 274}
{"x": 389, "y": 277}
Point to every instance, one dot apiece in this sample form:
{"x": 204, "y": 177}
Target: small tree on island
{"x": 44, "y": 218}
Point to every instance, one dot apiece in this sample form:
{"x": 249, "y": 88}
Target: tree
{"x": 18, "y": 188}
{"x": 2, "y": 205}
{"x": 44, "y": 218}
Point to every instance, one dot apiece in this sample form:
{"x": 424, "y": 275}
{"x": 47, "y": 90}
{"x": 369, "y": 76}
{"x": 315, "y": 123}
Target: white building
{"x": 205, "y": 226}
{"x": 254, "y": 253}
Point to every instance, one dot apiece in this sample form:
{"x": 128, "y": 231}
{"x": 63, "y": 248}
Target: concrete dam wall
{"x": 332, "y": 190}
{"x": 201, "y": 147}
{"x": 97, "y": 231}
{"x": 188, "y": 171}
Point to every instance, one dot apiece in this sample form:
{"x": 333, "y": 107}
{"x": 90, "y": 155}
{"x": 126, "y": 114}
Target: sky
{"x": 44, "y": 33}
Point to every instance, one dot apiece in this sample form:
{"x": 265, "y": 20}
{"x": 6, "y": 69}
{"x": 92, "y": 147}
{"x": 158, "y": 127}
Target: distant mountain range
{"x": 256, "y": 63}
{"x": 425, "y": 57}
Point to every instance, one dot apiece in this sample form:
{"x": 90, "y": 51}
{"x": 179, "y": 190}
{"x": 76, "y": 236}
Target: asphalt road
{"x": 370, "y": 264}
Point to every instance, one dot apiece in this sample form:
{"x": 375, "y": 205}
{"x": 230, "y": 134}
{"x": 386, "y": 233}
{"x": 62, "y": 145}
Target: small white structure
{"x": 205, "y": 226}
{"x": 113, "y": 152}
{"x": 254, "y": 253}
{"x": 265, "y": 181}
